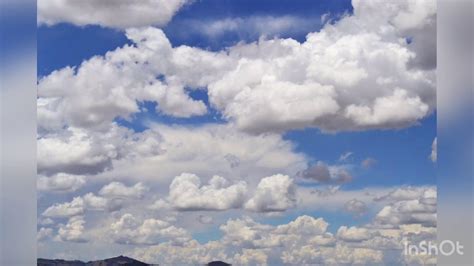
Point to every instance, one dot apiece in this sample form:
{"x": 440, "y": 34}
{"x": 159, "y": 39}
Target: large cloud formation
{"x": 361, "y": 72}
{"x": 372, "y": 69}
{"x": 108, "y": 13}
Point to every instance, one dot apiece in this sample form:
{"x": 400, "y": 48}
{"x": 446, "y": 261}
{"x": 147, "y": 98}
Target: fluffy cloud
{"x": 247, "y": 233}
{"x": 251, "y": 257}
{"x": 119, "y": 82}
{"x": 44, "y": 233}
{"x": 434, "y": 150}
{"x": 360, "y": 79}
{"x": 113, "y": 196}
{"x": 97, "y": 203}
{"x": 392, "y": 110}
{"x": 353, "y": 234}
{"x": 419, "y": 210}
{"x": 60, "y": 183}
{"x": 73, "y": 231}
{"x": 186, "y": 193}
{"x": 273, "y": 194}
{"x": 77, "y": 151}
{"x": 130, "y": 230}
{"x": 416, "y": 19}
{"x": 67, "y": 209}
{"x": 115, "y": 13}
{"x": 304, "y": 225}
{"x": 190, "y": 253}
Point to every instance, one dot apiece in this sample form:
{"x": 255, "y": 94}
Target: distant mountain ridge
{"x": 116, "y": 261}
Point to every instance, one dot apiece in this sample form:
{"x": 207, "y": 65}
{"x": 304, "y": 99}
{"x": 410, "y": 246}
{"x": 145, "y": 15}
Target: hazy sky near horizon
{"x": 254, "y": 132}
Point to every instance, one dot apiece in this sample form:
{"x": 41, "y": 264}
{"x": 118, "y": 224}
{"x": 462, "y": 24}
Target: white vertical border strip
{"x": 455, "y": 128}
{"x": 18, "y": 132}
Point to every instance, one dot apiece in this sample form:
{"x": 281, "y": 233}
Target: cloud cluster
{"x": 68, "y": 209}
{"x": 303, "y": 241}
{"x": 421, "y": 210}
{"x": 112, "y": 198}
{"x": 358, "y": 73}
{"x": 274, "y": 193}
{"x": 108, "y": 13}
{"x": 407, "y": 214}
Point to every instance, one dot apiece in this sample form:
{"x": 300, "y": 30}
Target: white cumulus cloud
{"x": 108, "y": 13}
{"x": 273, "y": 194}
{"x": 187, "y": 193}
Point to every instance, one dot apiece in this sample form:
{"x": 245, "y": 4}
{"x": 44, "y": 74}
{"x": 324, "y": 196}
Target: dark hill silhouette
{"x": 218, "y": 263}
{"x": 116, "y": 261}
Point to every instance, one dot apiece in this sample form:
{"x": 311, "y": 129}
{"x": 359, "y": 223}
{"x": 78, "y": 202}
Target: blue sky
{"x": 128, "y": 131}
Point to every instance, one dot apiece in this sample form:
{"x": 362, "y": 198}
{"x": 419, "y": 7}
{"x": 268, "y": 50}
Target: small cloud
{"x": 233, "y": 160}
{"x": 328, "y": 191}
{"x": 44, "y": 234}
{"x": 345, "y": 156}
{"x": 205, "y": 219}
{"x": 46, "y": 221}
{"x": 325, "y": 17}
{"x": 356, "y": 207}
{"x": 434, "y": 150}
{"x": 327, "y": 174}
